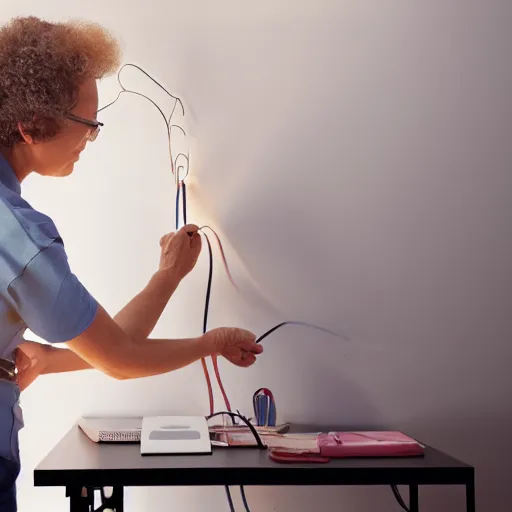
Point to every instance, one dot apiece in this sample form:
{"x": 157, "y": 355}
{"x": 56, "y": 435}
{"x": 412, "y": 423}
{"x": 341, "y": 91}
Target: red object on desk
{"x": 335, "y": 445}
{"x": 368, "y": 444}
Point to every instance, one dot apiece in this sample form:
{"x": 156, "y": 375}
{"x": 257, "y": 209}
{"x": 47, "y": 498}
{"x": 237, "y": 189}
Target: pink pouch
{"x": 368, "y": 444}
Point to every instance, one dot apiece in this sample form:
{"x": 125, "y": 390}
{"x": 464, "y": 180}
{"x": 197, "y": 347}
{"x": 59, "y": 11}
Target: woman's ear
{"x": 38, "y": 129}
{"x": 24, "y": 135}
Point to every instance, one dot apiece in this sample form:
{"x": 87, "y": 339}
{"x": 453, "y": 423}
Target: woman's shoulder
{"x": 24, "y": 232}
{"x": 38, "y": 226}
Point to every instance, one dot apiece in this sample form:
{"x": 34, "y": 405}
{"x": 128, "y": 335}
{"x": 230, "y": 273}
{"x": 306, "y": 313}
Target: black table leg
{"x": 414, "y": 504}
{"x": 114, "y": 502}
{"x": 79, "y": 500}
{"x": 470, "y": 496}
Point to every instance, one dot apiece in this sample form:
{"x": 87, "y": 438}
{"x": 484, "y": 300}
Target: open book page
{"x": 293, "y": 442}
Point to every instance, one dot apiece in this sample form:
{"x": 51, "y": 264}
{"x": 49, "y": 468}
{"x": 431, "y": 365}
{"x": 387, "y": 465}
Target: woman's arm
{"x": 105, "y": 346}
{"x": 123, "y": 352}
{"x": 34, "y": 359}
{"x": 179, "y": 253}
{"x": 62, "y": 360}
{"x": 137, "y": 319}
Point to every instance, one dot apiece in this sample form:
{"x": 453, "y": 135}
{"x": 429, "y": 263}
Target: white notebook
{"x": 163, "y": 435}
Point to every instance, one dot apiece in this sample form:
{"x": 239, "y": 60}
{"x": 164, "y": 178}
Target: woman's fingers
{"x": 250, "y": 345}
{"x": 180, "y": 250}
{"x": 27, "y": 365}
{"x": 166, "y": 240}
{"x": 26, "y": 377}
{"x": 196, "y": 242}
{"x": 190, "y": 228}
{"x": 247, "y": 359}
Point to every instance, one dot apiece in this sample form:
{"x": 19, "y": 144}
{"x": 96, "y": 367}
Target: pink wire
{"x": 219, "y": 382}
{"x": 209, "y": 384}
{"x": 223, "y": 255}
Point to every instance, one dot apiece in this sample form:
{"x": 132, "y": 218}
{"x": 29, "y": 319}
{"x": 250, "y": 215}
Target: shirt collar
{"x": 7, "y": 176}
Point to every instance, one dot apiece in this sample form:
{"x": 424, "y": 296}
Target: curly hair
{"x": 42, "y": 65}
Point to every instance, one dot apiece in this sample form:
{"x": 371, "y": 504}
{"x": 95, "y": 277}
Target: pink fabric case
{"x": 368, "y": 444}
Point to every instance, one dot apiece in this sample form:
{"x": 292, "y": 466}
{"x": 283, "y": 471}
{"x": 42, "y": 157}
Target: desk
{"x": 77, "y": 463}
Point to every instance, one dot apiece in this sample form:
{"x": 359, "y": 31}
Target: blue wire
{"x": 184, "y": 202}
{"x": 244, "y": 499}
{"x": 177, "y": 208}
{"x": 230, "y": 499}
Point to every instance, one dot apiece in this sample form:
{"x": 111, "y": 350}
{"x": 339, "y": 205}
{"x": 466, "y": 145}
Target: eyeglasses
{"x": 94, "y": 125}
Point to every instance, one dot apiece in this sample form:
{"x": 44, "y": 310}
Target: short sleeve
{"x": 50, "y": 299}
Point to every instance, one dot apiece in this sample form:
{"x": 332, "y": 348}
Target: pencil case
{"x": 335, "y": 445}
{"x": 368, "y": 444}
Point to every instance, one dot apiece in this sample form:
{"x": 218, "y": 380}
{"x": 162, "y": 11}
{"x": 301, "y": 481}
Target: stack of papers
{"x": 112, "y": 430}
{"x": 272, "y": 437}
{"x": 303, "y": 443}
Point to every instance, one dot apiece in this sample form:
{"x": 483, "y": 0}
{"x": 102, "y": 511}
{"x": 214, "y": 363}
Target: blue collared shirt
{"x": 38, "y": 291}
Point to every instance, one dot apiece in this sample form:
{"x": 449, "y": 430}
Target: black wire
{"x": 179, "y": 127}
{"x": 167, "y": 121}
{"x": 181, "y": 191}
{"x": 230, "y": 499}
{"x": 234, "y": 415}
{"x": 209, "y": 285}
{"x": 142, "y": 96}
{"x": 399, "y": 498}
{"x": 244, "y": 499}
{"x": 304, "y": 324}
{"x": 186, "y": 157}
{"x": 153, "y": 80}
{"x": 181, "y": 185}
{"x": 124, "y": 89}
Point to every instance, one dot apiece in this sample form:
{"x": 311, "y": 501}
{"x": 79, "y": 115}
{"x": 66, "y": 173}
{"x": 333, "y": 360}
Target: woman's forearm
{"x": 156, "y": 357}
{"x": 151, "y": 358}
{"x": 60, "y": 360}
{"x": 105, "y": 346}
{"x": 139, "y": 317}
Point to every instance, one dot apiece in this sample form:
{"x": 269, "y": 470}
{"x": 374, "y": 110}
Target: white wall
{"x": 356, "y": 159}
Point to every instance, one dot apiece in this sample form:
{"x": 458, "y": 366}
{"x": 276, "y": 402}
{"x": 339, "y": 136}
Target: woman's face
{"x": 57, "y": 156}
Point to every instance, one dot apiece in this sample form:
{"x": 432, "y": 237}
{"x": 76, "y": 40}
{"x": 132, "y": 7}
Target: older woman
{"x": 48, "y": 105}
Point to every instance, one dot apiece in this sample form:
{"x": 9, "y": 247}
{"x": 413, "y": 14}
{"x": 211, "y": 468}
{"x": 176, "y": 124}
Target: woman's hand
{"x": 180, "y": 251}
{"x": 238, "y": 346}
{"x": 31, "y": 361}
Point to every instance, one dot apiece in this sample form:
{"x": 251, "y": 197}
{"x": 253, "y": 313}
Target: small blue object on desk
{"x": 264, "y": 408}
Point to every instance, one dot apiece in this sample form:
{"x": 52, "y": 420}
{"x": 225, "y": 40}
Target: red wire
{"x": 214, "y": 357}
{"x": 223, "y": 255}
{"x": 180, "y": 188}
{"x": 219, "y": 382}
{"x": 209, "y": 384}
